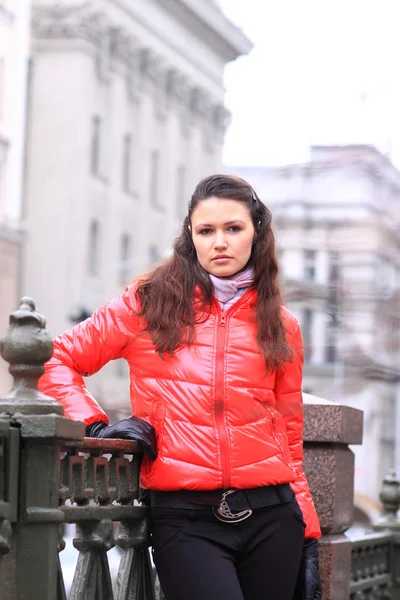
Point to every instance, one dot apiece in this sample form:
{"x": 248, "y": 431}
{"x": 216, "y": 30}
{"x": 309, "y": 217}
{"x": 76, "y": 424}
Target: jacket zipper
{"x": 219, "y": 401}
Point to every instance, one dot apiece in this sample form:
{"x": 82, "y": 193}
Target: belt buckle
{"x": 224, "y": 513}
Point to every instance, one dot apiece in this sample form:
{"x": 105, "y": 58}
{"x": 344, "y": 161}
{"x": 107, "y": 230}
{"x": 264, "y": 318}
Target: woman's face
{"x": 223, "y": 235}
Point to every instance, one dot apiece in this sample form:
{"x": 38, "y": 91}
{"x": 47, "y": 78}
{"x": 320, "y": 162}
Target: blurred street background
{"x": 112, "y": 110}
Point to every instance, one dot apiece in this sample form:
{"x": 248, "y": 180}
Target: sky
{"x": 321, "y": 72}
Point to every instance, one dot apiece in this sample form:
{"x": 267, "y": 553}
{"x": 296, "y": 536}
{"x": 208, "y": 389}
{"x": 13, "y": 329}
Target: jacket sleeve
{"x": 289, "y": 402}
{"x": 84, "y": 350}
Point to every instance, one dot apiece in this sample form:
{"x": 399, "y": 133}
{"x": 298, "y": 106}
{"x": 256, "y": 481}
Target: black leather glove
{"x": 132, "y": 428}
{"x": 308, "y": 586}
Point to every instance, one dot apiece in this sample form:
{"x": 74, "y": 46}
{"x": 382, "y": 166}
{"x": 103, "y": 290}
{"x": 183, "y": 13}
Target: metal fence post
{"x": 42, "y": 427}
{"x": 390, "y": 498}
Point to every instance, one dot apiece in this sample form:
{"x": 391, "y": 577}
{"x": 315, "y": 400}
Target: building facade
{"x": 126, "y": 114}
{"x": 337, "y": 224}
{"x": 14, "y": 58}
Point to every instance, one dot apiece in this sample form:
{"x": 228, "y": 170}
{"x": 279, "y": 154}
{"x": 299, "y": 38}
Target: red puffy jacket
{"x": 220, "y": 422}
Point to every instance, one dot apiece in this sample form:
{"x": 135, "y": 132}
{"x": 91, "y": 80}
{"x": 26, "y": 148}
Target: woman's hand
{"x": 131, "y": 428}
{"x": 308, "y": 585}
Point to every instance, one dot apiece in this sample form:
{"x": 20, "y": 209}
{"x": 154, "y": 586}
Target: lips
{"x": 221, "y": 257}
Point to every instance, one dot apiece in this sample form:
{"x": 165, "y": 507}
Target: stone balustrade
{"x": 329, "y": 466}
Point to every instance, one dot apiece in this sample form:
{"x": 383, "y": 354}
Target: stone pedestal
{"x": 329, "y": 465}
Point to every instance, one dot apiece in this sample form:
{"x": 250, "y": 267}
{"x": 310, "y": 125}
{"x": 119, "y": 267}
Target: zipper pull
{"x": 223, "y": 321}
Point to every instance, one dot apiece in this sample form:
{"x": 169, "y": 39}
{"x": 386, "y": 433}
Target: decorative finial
{"x": 27, "y": 346}
{"x": 390, "y": 498}
{"x": 390, "y": 494}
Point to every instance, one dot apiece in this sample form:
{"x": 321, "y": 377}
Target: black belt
{"x": 236, "y": 500}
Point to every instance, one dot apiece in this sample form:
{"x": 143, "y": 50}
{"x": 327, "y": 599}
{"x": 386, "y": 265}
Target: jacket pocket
{"x": 295, "y": 509}
{"x": 157, "y": 419}
{"x": 278, "y": 431}
{"x": 164, "y": 531}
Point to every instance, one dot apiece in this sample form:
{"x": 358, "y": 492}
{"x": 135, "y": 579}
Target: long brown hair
{"x": 166, "y": 296}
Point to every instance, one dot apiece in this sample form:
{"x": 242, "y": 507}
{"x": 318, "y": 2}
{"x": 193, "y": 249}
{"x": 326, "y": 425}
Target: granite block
{"x": 335, "y": 567}
{"x": 330, "y": 473}
{"x": 326, "y": 421}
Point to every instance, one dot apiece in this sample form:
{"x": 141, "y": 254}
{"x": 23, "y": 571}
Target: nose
{"x": 220, "y": 241}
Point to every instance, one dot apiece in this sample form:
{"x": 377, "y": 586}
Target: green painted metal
{"x": 26, "y": 346}
{"x": 9, "y": 471}
{"x": 61, "y": 595}
{"x": 92, "y": 580}
{"x": 376, "y": 556}
{"x": 389, "y": 523}
{"x": 372, "y": 568}
{"x": 102, "y": 483}
{"x": 134, "y": 576}
{"x": 50, "y": 474}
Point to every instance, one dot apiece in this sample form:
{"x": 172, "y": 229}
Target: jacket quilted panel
{"x": 220, "y": 421}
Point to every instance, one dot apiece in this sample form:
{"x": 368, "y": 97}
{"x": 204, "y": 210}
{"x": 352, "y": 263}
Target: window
{"x": 154, "y": 254}
{"x": 308, "y": 319}
{"x": 309, "y": 265}
{"x": 125, "y": 252}
{"x": 127, "y": 161}
{"x": 385, "y": 273}
{"x": 334, "y": 290}
{"x": 181, "y": 191}
{"x": 93, "y": 266}
{"x": 154, "y": 179}
{"x": 333, "y": 307}
{"x": 95, "y": 146}
{"x": 2, "y": 177}
{"x": 2, "y": 83}
{"x": 334, "y": 268}
{"x": 330, "y": 347}
{"x": 392, "y": 327}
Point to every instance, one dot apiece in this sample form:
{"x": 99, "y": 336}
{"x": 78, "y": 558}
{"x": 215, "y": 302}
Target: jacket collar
{"x": 248, "y": 300}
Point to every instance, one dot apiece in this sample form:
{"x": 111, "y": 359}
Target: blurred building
{"x": 126, "y": 114}
{"x": 14, "y": 56}
{"x": 337, "y": 221}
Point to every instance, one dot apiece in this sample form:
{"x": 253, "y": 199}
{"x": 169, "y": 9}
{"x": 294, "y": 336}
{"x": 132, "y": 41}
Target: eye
{"x": 205, "y": 231}
{"x": 234, "y": 228}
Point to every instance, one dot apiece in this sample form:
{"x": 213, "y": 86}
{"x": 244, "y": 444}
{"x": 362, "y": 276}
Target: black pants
{"x": 199, "y": 557}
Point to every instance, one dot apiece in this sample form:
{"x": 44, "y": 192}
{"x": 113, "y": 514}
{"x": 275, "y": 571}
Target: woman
{"x": 215, "y": 370}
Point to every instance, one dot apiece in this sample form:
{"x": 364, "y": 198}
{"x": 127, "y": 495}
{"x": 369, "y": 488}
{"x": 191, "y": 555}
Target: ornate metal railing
{"x": 376, "y": 556}
{"x": 372, "y": 567}
{"x": 99, "y": 486}
{"x": 51, "y": 475}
